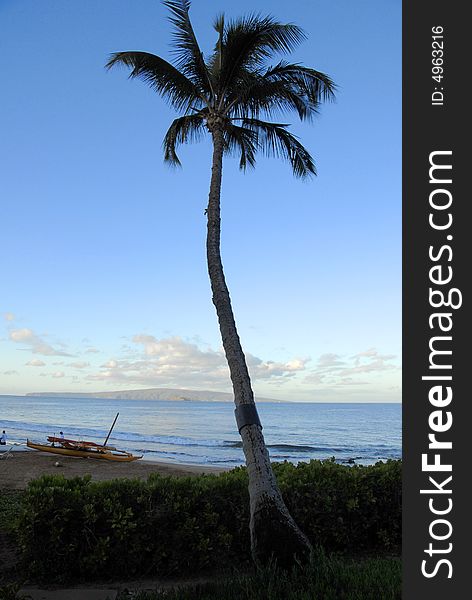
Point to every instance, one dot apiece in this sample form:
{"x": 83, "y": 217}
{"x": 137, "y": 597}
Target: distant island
{"x": 152, "y": 394}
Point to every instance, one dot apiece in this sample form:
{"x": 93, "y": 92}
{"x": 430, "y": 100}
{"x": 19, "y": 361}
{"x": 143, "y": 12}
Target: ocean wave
{"x": 294, "y": 447}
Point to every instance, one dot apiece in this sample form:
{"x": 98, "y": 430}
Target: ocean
{"x": 204, "y": 433}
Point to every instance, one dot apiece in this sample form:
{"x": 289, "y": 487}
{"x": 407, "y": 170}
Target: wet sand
{"x": 21, "y": 467}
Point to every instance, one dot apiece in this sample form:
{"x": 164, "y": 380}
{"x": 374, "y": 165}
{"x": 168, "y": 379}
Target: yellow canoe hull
{"x": 102, "y": 454}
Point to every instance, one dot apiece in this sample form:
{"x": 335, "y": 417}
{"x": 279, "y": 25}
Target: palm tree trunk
{"x": 274, "y": 533}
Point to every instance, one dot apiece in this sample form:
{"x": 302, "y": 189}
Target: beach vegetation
{"x": 233, "y": 95}
{"x": 11, "y": 591}
{"x": 72, "y": 529}
{"x": 325, "y": 577}
{"x": 9, "y": 509}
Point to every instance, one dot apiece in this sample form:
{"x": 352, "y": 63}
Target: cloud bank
{"x": 174, "y": 362}
{"x": 147, "y": 361}
{"x": 34, "y": 343}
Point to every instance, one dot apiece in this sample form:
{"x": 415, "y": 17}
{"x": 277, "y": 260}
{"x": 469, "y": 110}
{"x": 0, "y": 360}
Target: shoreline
{"x": 21, "y": 467}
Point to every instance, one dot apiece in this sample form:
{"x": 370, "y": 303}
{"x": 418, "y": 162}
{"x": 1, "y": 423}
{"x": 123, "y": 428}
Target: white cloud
{"x": 36, "y": 362}
{"x": 367, "y": 353}
{"x": 79, "y": 365}
{"x": 372, "y": 353}
{"x": 271, "y": 370}
{"x": 375, "y": 365}
{"x": 330, "y": 360}
{"x": 36, "y": 344}
{"x": 58, "y": 374}
{"x": 175, "y": 362}
{"x": 11, "y": 372}
{"x": 92, "y": 351}
{"x": 20, "y": 335}
{"x": 334, "y": 370}
{"x": 8, "y": 316}
{"x": 111, "y": 364}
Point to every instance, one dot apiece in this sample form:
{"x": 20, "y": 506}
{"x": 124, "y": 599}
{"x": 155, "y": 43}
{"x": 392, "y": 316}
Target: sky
{"x": 103, "y": 283}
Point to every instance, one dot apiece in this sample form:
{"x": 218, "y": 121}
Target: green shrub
{"x": 75, "y": 528}
{"x": 10, "y": 505}
{"x": 345, "y": 508}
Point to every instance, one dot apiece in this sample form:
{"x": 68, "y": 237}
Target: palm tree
{"x": 228, "y": 95}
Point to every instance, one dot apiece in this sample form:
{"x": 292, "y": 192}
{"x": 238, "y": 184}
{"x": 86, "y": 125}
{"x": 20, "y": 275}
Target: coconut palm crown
{"x": 230, "y": 95}
{"x": 234, "y": 89}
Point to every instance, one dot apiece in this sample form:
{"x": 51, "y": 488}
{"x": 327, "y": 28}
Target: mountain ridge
{"x": 168, "y": 394}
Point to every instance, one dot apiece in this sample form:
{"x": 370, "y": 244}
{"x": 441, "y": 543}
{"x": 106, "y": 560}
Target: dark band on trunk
{"x": 246, "y": 414}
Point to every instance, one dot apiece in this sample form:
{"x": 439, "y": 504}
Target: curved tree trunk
{"x": 273, "y": 530}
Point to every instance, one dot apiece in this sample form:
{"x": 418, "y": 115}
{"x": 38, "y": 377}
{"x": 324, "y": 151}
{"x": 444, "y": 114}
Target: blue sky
{"x": 103, "y": 281}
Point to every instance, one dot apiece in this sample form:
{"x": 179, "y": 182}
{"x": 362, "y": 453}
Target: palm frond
{"x": 314, "y": 85}
{"x": 253, "y": 37}
{"x": 160, "y": 75}
{"x": 217, "y": 59}
{"x": 250, "y": 40}
{"x": 256, "y": 95}
{"x": 275, "y": 140}
{"x": 285, "y": 87}
{"x": 243, "y": 141}
{"x": 188, "y": 128}
{"x": 186, "y": 49}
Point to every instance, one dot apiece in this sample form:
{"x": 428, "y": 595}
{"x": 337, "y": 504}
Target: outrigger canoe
{"x": 83, "y": 450}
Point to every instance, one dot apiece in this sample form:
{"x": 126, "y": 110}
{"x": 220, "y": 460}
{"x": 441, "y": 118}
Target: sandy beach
{"x": 19, "y": 468}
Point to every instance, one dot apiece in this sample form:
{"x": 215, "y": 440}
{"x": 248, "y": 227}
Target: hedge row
{"x": 75, "y": 528}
